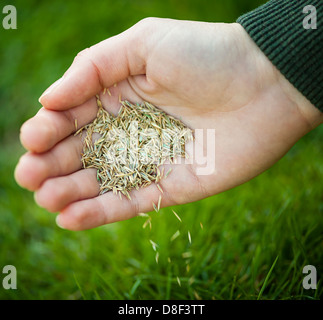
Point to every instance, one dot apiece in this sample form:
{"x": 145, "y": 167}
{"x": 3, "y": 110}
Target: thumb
{"x": 96, "y": 68}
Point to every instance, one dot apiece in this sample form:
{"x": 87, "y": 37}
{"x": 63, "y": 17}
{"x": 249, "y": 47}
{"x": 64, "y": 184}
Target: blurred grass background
{"x": 278, "y": 214}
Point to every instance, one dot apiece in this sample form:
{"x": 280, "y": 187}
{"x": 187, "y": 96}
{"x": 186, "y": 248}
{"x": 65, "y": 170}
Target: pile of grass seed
{"x": 132, "y": 146}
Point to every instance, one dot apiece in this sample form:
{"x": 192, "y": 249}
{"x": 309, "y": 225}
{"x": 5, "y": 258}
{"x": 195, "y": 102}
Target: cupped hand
{"x": 209, "y": 75}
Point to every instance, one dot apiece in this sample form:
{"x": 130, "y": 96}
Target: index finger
{"x": 96, "y": 68}
{"x": 47, "y": 127}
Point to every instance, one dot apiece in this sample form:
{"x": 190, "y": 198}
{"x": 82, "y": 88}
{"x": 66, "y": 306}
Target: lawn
{"x": 251, "y": 242}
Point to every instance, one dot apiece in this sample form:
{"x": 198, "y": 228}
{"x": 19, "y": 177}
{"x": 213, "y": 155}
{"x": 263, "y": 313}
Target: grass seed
{"x": 133, "y": 146}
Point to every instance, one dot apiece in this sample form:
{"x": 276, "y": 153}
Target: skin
{"x": 210, "y": 75}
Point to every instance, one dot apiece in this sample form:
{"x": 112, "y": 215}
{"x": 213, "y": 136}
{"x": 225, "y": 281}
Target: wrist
{"x": 270, "y": 76}
{"x": 312, "y": 115}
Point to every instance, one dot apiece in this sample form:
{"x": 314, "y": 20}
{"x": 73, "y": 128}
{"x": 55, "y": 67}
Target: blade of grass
{"x": 266, "y": 279}
{"x": 112, "y": 288}
{"x": 233, "y": 287}
{"x": 79, "y": 287}
{"x": 135, "y": 287}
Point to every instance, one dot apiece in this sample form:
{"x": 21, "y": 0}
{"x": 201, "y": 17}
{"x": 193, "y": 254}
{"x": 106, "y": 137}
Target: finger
{"x": 48, "y": 127}
{"x": 56, "y": 193}
{"x": 96, "y": 68}
{"x": 33, "y": 169}
{"x": 107, "y": 208}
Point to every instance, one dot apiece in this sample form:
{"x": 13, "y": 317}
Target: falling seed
{"x": 178, "y": 281}
{"x": 177, "y": 216}
{"x": 109, "y": 93}
{"x": 154, "y": 245}
{"x": 104, "y": 91}
{"x": 159, "y": 202}
{"x": 175, "y": 235}
{"x": 168, "y": 172}
{"x": 189, "y": 237}
{"x": 75, "y": 123}
{"x": 187, "y": 254}
{"x": 188, "y": 268}
{"x": 191, "y": 280}
{"x": 169, "y": 260}
{"x": 157, "y": 256}
{"x": 159, "y": 188}
{"x": 201, "y": 225}
{"x": 147, "y": 222}
{"x": 141, "y": 214}
{"x": 196, "y": 295}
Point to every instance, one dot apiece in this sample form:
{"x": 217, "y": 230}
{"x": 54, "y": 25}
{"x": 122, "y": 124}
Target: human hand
{"x": 209, "y": 75}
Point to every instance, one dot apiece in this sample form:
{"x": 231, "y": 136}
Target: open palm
{"x": 211, "y": 76}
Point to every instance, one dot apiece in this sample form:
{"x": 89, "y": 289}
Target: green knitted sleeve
{"x": 292, "y": 38}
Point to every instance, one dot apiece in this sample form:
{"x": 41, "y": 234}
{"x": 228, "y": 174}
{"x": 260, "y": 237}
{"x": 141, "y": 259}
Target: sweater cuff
{"x": 277, "y": 29}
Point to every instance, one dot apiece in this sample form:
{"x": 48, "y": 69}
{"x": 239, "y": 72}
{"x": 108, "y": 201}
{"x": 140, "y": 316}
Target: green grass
{"x": 234, "y": 256}
{"x": 255, "y": 240}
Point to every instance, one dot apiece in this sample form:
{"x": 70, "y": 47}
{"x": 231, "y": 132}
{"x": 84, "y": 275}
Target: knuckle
{"x": 144, "y": 25}
{"x": 148, "y": 21}
{"x": 84, "y": 53}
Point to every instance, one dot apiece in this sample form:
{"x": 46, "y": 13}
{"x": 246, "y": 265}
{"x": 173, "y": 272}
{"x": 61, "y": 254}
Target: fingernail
{"x": 58, "y": 223}
{"x": 51, "y": 88}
